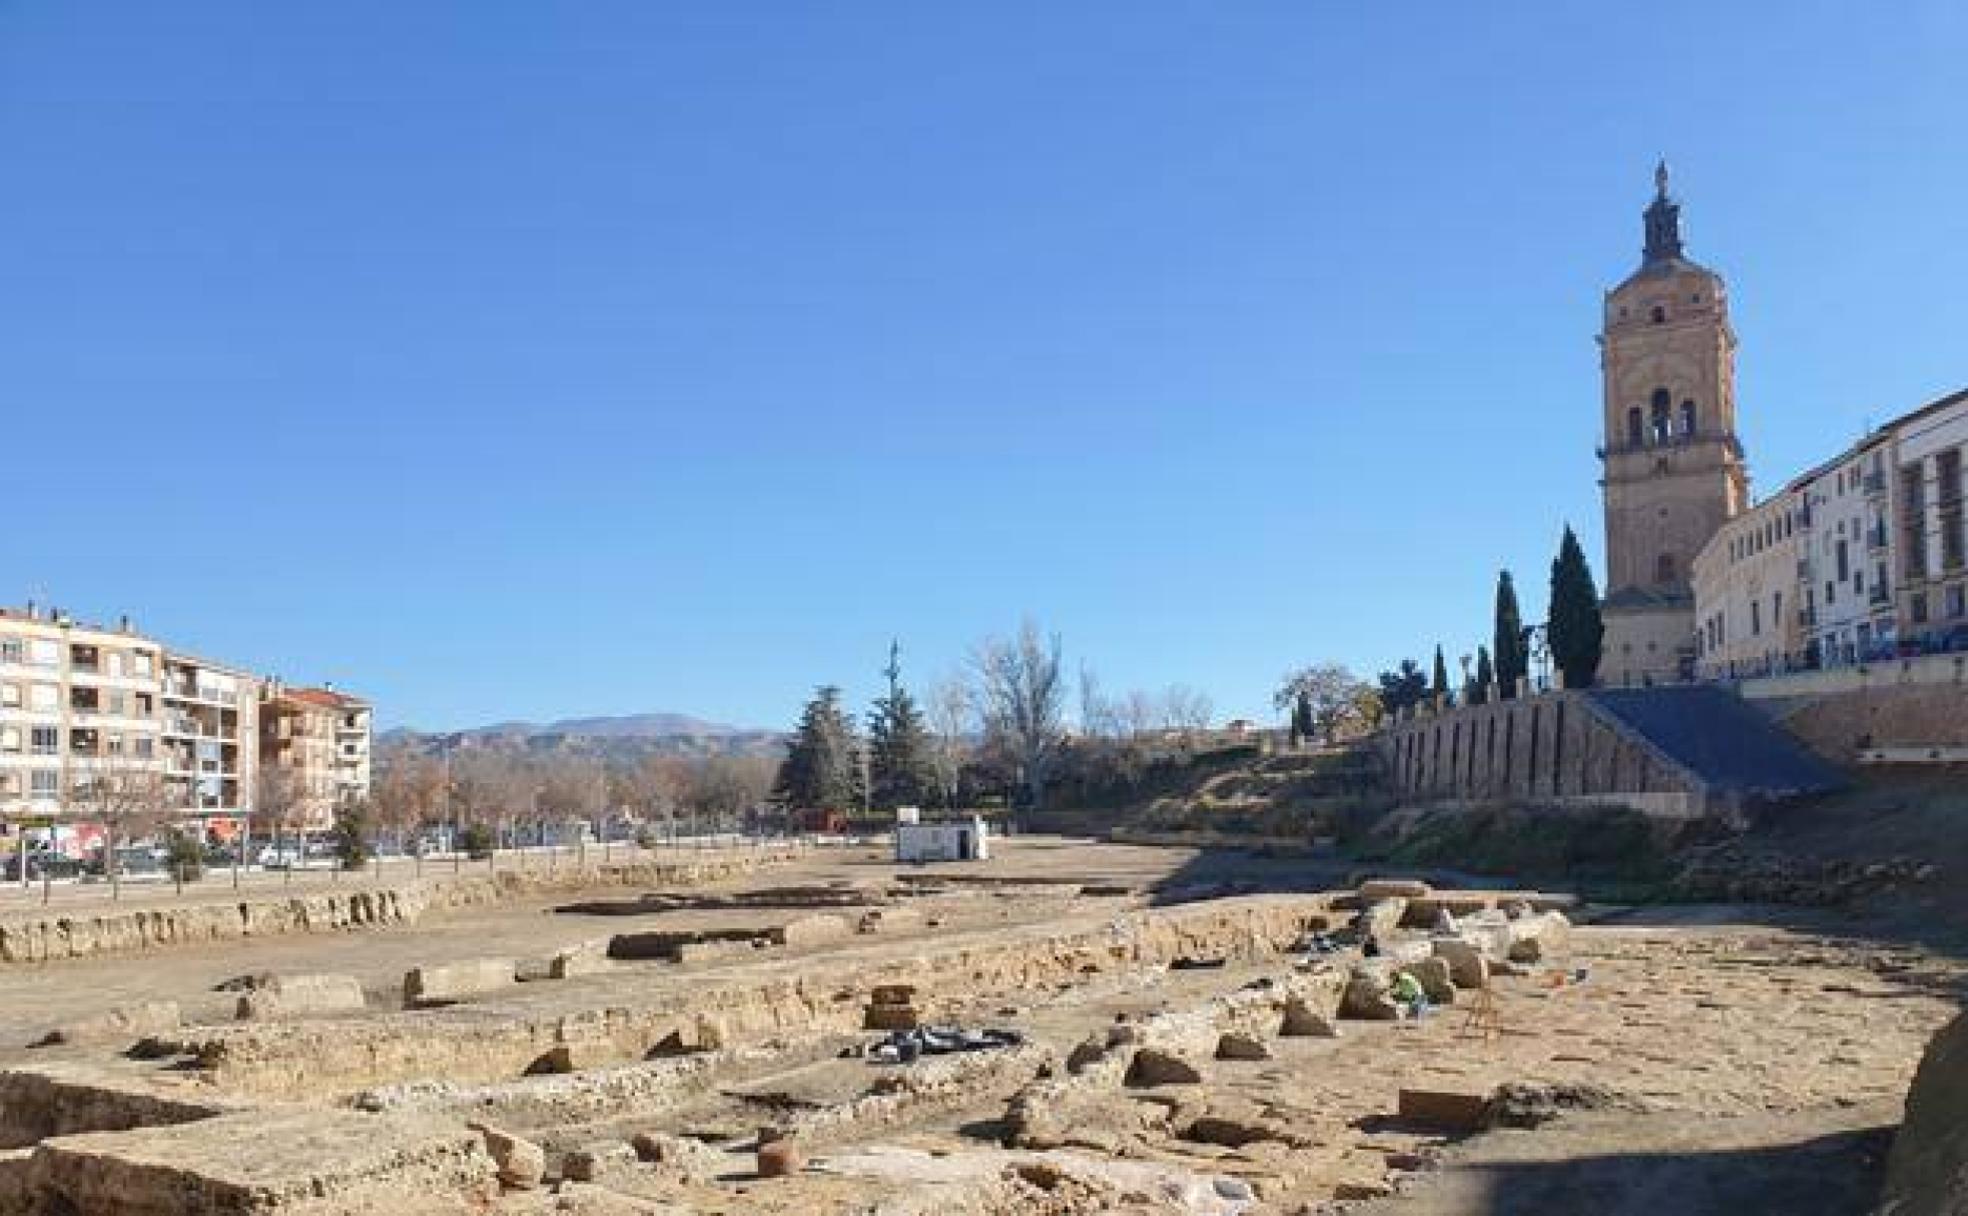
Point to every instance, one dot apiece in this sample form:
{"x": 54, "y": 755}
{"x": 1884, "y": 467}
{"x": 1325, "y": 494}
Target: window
{"x": 10, "y": 739}
{"x": 1755, "y": 618}
{"x": 1688, "y": 417}
{"x": 44, "y": 783}
{"x": 1664, "y": 568}
{"x": 1657, "y": 419}
{"x": 140, "y": 665}
{"x": 1956, "y": 599}
{"x": 11, "y": 651}
{"x": 1917, "y": 607}
{"x": 1776, "y": 609}
{"x": 116, "y": 663}
{"x": 45, "y": 741}
{"x": 1844, "y": 562}
{"x": 44, "y": 697}
{"x": 43, "y": 653}
{"x": 1831, "y": 594}
{"x": 1635, "y": 428}
{"x": 10, "y": 696}
{"x": 1660, "y": 314}
{"x": 144, "y": 747}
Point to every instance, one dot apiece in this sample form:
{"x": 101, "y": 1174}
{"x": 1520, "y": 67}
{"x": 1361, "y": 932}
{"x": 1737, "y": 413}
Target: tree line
{"x": 1573, "y": 637}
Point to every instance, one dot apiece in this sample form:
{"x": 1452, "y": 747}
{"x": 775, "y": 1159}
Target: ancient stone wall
{"x": 1554, "y": 746}
{"x": 49, "y": 934}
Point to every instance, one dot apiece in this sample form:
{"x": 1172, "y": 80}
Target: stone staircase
{"x": 1726, "y": 744}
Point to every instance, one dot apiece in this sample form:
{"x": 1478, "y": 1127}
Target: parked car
{"x": 280, "y": 857}
{"x": 42, "y": 864}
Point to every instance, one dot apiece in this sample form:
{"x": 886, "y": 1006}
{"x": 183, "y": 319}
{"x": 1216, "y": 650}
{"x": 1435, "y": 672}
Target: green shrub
{"x": 476, "y": 841}
{"x": 184, "y": 856}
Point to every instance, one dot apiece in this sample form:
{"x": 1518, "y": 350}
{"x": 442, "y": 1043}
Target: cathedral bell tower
{"x": 1673, "y": 470}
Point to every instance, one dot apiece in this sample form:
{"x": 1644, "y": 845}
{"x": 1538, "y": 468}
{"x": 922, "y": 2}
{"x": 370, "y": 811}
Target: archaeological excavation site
{"x": 1068, "y": 1027}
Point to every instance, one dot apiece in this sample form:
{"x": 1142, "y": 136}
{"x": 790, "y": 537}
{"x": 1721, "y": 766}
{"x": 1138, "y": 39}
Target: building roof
{"x": 327, "y": 698}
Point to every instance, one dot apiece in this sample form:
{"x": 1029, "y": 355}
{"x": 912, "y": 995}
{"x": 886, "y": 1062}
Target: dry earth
{"x": 1724, "y": 1062}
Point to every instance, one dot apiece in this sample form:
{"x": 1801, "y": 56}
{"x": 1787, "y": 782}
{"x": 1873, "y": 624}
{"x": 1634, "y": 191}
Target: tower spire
{"x": 1663, "y": 218}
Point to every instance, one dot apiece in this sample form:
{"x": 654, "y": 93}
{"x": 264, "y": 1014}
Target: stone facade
{"x": 1674, "y": 471}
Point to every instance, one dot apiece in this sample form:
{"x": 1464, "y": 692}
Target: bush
{"x": 184, "y": 856}
{"x": 476, "y": 841}
{"x": 351, "y": 835}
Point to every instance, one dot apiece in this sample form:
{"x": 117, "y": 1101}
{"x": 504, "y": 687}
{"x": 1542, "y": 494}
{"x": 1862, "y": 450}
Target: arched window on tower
{"x": 1658, "y": 422}
{"x": 1636, "y": 428}
{"x": 1664, "y": 568}
{"x": 1688, "y": 417}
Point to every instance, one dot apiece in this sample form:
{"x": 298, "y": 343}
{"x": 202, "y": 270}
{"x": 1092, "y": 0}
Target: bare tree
{"x": 952, "y": 712}
{"x": 1136, "y": 714}
{"x": 723, "y": 788}
{"x": 1186, "y": 709}
{"x": 278, "y": 799}
{"x": 128, "y": 797}
{"x": 1097, "y": 717}
{"x": 1022, "y": 696}
{"x": 1336, "y": 696}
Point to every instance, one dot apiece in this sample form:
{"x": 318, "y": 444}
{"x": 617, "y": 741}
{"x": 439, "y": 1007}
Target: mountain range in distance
{"x": 645, "y": 726}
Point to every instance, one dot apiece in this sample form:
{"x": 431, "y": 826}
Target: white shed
{"x": 955, "y": 840}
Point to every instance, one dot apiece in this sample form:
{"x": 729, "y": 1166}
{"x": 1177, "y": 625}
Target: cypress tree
{"x": 1575, "y": 631}
{"x": 1441, "y": 686}
{"x": 1513, "y": 660}
{"x": 1485, "y": 676}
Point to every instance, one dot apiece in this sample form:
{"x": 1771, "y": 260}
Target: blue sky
{"x": 527, "y": 360}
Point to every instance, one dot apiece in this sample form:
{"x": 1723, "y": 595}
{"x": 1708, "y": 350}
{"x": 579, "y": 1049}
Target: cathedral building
{"x": 1673, "y": 468}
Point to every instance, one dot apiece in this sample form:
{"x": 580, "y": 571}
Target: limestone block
{"x": 584, "y": 959}
{"x": 1380, "y": 918}
{"x": 889, "y": 920}
{"x": 780, "y": 1158}
{"x": 1468, "y": 968}
{"x": 891, "y": 1017}
{"x": 1375, "y": 889}
{"x": 521, "y": 1163}
{"x": 1447, "y": 1109}
{"x": 1538, "y": 937}
{"x": 814, "y": 930}
{"x": 122, "y": 1025}
{"x": 457, "y": 981}
{"x": 1366, "y": 995}
{"x": 283, "y": 996}
{"x": 705, "y": 952}
{"x": 591, "y": 1161}
{"x": 1234, "y": 1046}
{"x": 1301, "y": 1020}
{"x": 1152, "y": 1066}
{"x": 1433, "y": 975}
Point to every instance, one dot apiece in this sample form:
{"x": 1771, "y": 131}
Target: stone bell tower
{"x": 1674, "y": 470}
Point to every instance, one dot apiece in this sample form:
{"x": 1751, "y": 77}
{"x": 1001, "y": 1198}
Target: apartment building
{"x": 210, "y": 729}
{"x": 85, "y": 709}
{"x": 1932, "y": 541}
{"x": 78, "y": 702}
{"x": 1868, "y": 550}
{"x": 314, "y": 744}
{"x": 1749, "y": 619}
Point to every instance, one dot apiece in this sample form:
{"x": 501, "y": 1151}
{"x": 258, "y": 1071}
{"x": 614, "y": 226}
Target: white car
{"x": 280, "y": 857}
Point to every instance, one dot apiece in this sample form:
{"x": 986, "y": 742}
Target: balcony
{"x": 1879, "y": 596}
{"x": 1874, "y": 483}
{"x": 1876, "y": 537}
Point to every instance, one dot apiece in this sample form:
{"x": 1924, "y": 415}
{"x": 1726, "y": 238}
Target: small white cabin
{"x": 955, "y": 840}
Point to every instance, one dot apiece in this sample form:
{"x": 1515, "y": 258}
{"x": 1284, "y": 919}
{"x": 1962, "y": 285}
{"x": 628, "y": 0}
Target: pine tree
{"x": 901, "y": 769}
{"x": 1441, "y": 685}
{"x": 1575, "y": 631}
{"x": 822, "y": 768}
{"x": 1485, "y": 676}
{"x": 1513, "y": 660}
{"x": 1406, "y": 685}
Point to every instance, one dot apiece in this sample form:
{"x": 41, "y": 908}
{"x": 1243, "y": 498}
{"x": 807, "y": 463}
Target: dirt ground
{"x": 1715, "y": 1060}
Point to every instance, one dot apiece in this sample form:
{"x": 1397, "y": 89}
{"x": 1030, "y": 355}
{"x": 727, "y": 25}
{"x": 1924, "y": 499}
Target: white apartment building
{"x": 1868, "y": 550}
{"x": 1933, "y": 544}
{"x": 210, "y": 730}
